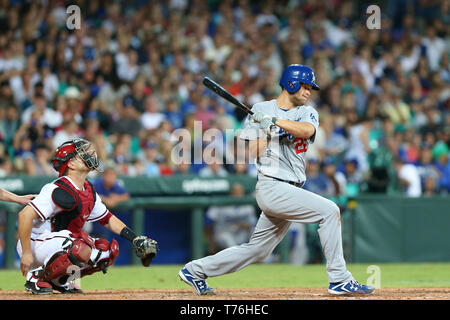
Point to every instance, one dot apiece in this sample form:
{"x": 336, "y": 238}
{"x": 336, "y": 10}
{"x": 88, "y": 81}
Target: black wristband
{"x": 128, "y": 234}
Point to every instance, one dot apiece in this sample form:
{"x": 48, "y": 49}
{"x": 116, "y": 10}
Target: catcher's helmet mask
{"x": 71, "y": 149}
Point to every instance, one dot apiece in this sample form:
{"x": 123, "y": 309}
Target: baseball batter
{"x": 279, "y": 133}
{"x": 52, "y": 247}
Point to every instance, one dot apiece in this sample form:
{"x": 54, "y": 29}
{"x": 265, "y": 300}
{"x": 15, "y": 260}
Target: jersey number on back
{"x": 301, "y": 145}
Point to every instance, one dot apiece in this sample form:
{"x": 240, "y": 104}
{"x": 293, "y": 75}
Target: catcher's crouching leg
{"x": 103, "y": 256}
{"x": 64, "y": 264}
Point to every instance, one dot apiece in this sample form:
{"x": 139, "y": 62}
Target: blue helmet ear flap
{"x": 292, "y": 86}
{"x": 296, "y": 74}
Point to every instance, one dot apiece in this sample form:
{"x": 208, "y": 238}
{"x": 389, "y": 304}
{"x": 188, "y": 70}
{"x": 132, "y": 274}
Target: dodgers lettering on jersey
{"x": 285, "y": 155}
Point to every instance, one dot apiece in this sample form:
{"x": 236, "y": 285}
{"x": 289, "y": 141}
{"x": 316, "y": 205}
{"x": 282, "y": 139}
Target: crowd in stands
{"x": 131, "y": 75}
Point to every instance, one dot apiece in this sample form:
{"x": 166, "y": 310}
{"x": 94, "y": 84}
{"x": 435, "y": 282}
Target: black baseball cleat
{"x": 67, "y": 288}
{"x": 38, "y": 287}
{"x": 62, "y": 285}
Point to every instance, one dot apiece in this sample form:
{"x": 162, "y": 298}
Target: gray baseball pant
{"x": 281, "y": 204}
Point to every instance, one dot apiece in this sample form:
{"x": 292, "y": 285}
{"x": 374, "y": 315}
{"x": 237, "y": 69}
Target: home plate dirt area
{"x": 237, "y": 294}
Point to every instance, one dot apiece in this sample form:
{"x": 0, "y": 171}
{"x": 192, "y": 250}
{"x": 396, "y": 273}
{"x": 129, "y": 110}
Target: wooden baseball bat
{"x": 214, "y": 86}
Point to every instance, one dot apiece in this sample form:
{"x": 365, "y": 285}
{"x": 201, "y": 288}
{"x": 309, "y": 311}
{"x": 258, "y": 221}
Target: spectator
{"x": 204, "y": 114}
{"x": 9, "y": 124}
{"x": 427, "y": 170}
{"x": 441, "y": 156}
{"x": 396, "y": 109}
{"x": 229, "y": 225}
{"x": 337, "y": 178}
{"x": 111, "y": 190}
{"x": 316, "y": 181}
{"x": 121, "y": 156}
{"x": 26, "y": 164}
{"x": 152, "y": 117}
{"x": 156, "y": 65}
{"x": 240, "y": 169}
{"x": 6, "y": 95}
{"x": 69, "y": 131}
{"x": 353, "y": 177}
{"x": 358, "y": 141}
{"x": 430, "y": 187}
{"x": 213, "y": 169}
{"x": 112, "y": 93}
{"x": 183, "y": 168}
{"x": 409, "y": 178}
{"x": 49, "y": 80}
{"x": 435, "y": 47}
{"x": 165, "y": 158}
{"x": 6, "y": 167}
{"x": 128, "y": 121}
{"x": 379, "y": 178}
{"x": 150, "y": 158}
{"x": 128, "y": 69}
{"x": 94, "y": 133}
{"x": 139, "y": 91}
{"x": 299, "y": 251}
{"x": 335, "y": 143}
{"x": 74, "y": 107}
{"x": 25, "y": 148}
{"x": 42, "y": 166}
{"x": 48, "y": 116}
{"x": 21, "y": 87}
{"x": 173, "y": 114}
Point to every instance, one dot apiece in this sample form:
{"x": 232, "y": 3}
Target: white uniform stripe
{"x": 101, "y": 216}
{"x": 41, "y": 216}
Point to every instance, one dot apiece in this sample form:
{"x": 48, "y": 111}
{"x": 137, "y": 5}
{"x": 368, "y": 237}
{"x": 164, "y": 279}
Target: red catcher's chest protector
{"x": 76, "y": 205}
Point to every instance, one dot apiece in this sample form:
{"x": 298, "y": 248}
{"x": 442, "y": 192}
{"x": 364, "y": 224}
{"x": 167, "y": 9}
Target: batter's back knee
{"x": 260, "y": 253}
{"x": 331, "y": 210}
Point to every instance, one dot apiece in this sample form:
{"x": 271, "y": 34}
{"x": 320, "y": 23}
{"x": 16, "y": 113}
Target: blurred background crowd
{"x": 132, "y": 73}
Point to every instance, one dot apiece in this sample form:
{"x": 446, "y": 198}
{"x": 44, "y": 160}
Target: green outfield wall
{"x": 143, "y": 186}
{"x": 399, "y": 229}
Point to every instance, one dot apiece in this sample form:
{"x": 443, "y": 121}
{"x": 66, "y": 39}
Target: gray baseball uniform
{"x": 281, "y": 203}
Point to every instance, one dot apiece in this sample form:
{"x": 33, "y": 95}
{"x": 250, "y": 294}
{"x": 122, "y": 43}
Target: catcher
{"x": 52, "y": 247}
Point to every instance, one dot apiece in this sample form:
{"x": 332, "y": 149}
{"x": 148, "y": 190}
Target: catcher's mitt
{"x": 145, "y": 249}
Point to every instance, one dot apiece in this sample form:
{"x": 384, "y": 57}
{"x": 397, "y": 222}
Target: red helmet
{"x": 70, "y": 149}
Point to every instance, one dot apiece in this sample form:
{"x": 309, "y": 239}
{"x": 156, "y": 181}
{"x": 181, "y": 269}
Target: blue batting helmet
{"x": 296, "y": 74}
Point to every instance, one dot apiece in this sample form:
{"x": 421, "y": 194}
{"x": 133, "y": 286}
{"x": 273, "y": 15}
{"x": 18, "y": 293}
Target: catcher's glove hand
{"x": 145, "y": 249}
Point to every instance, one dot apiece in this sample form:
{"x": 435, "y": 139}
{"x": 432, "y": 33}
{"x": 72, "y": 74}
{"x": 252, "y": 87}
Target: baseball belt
{"x": 295, "y": 184}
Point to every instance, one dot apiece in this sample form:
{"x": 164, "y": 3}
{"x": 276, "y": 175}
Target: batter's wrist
{"x": 274, "y": 120}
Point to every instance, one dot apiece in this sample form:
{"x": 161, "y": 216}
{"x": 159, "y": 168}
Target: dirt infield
{"x": 237, "y": 294}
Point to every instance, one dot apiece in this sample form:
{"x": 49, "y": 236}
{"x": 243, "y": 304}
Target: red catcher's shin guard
{"x": 78, "y": 254}
{"x": 103, "y": 264}
{"x": 80, "y": 251}
{"x": 57, "y": 266}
